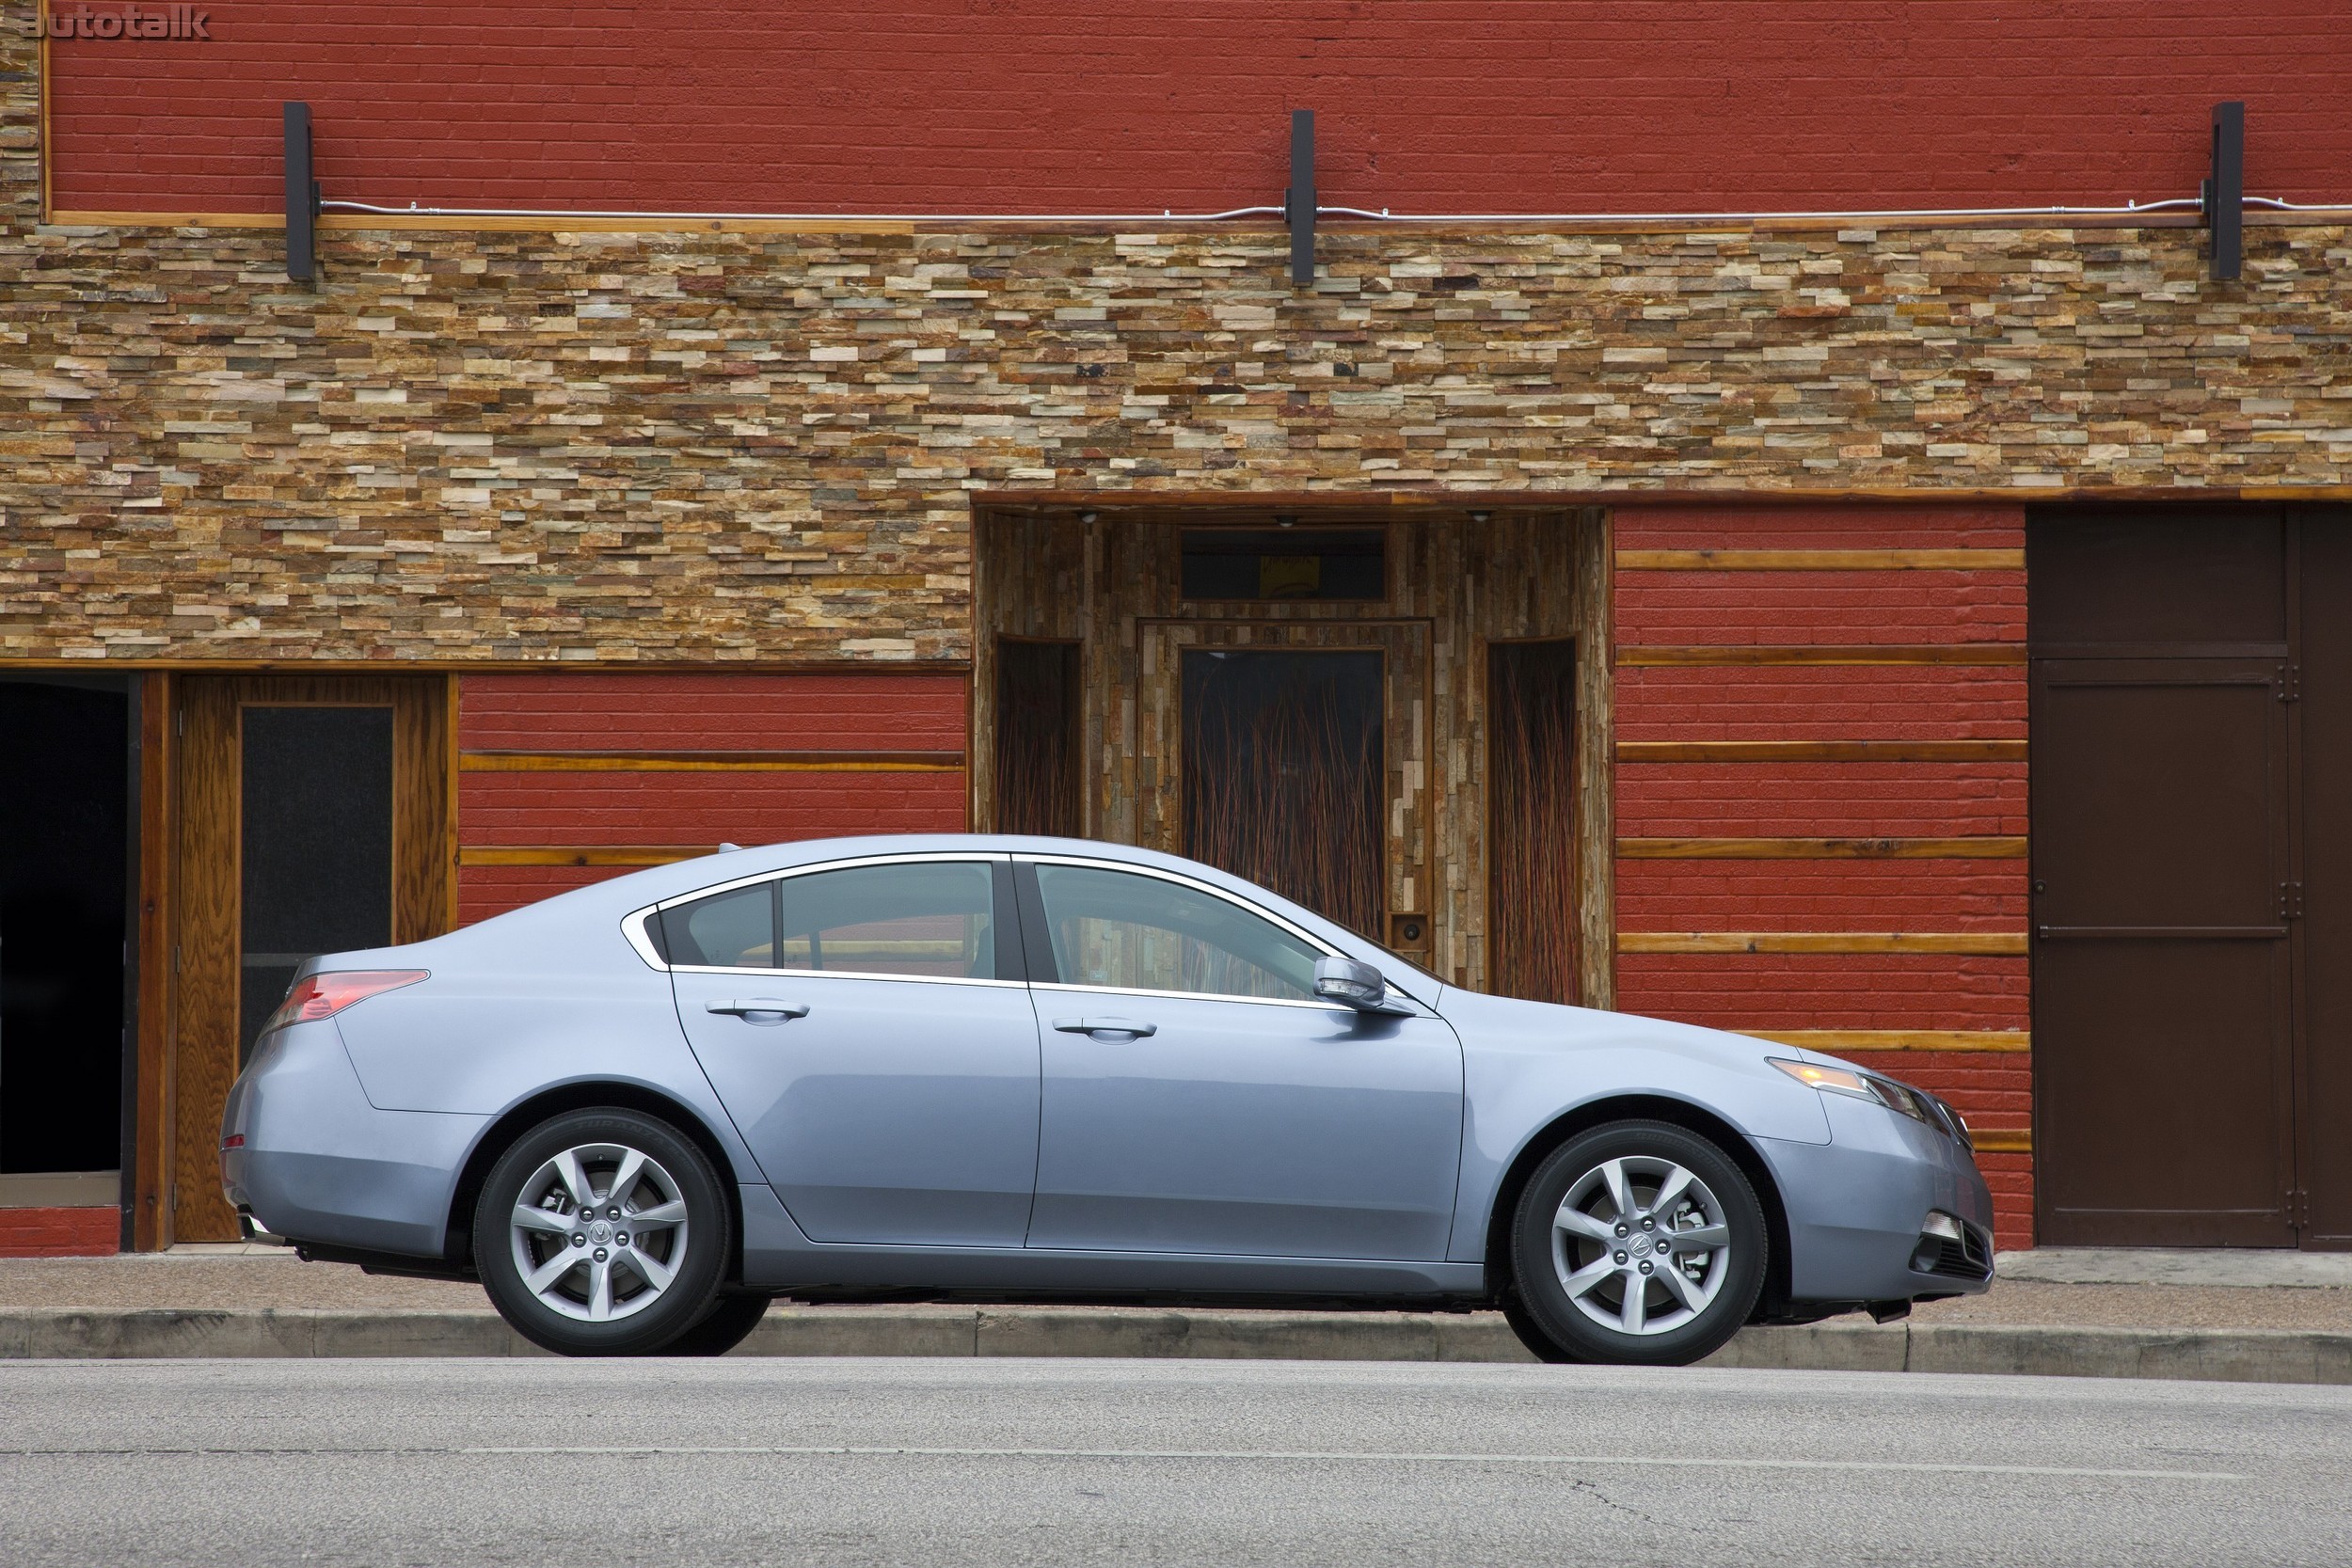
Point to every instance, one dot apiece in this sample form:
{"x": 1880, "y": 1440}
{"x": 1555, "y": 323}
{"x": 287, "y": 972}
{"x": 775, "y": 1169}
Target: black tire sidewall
{"x": 727, "y": 1324}
{"x": 1545, "y": 1302}
{"x": 689, "y": 1297}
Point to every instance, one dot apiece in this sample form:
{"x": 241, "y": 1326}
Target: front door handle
{"x": 1131, "y": 1027}
{"x": 771, "y": 1011}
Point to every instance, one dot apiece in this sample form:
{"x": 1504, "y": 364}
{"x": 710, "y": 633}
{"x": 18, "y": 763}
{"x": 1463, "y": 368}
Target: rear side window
{"x": 727, "y": 930}
{"x": 936, "y": 919}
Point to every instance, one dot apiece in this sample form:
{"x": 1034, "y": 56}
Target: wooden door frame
{"x": 203, "y": 821}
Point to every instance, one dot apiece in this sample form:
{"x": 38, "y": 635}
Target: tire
{"x": 1594, "y": 1294}
{"x": 728, "y": 1326}
{"x": 1530, "y": 1331}
{"x": 630, "y": 1288}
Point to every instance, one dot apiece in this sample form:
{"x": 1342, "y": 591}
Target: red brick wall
{"x": 1833, "y": 799}
{"x": 559, "y": 812}
{"x": 80, "y": 1233}
{"x": 1043, "y": 105}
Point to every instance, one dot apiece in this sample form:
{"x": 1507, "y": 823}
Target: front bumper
{"x": 1857, "y": 1204}
{"x": 319, "y": 1163}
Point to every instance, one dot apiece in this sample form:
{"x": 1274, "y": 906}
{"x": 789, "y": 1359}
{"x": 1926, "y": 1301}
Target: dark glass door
{"x": 314, "y": 845}
{"x": 313, "y": 817}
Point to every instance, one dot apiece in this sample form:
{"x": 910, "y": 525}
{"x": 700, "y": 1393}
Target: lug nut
{"x": 1621, "y": 1230}
{"x": 1648, "y": 1223}
{"x": 579, "y": 1238}
{"x": 1644, "y": 1267}
{"x": 620, "y": 1238}
{"x": 1621, "y": 1258}
{"x": 600, "y": 1254}
{"x": 613, "y": 1212}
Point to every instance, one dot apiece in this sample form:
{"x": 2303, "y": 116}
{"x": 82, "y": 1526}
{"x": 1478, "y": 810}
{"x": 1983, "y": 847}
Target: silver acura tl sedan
{"x": 997, "y": 1070}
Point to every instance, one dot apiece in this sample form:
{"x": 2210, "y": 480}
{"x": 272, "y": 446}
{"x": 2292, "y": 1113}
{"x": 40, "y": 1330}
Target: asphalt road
{"x": 936, "y": 1463}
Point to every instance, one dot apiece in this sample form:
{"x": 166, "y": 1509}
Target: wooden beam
{"x": 1820, "y": 561}
{"x": 1836, "y": 1041}
{"x": 1820, "y": 751}
{"x": 1977, "y": 944}
{"x": 1981, "y": 846}
{"x": 710, "y": 762}
{"x": 608, "y": 854}
{"x": 1655, "y": 654}
{"x": 152, "y": 1114}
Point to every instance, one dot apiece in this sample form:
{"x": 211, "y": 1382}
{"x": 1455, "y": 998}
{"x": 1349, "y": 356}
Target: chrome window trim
{"x": 1197, "y": 885}
{"x": 844, "y": 975}
{"x": 633, "y": 923}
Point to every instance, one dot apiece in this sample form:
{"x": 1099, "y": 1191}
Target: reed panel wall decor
{"x": 1530, "y": 804}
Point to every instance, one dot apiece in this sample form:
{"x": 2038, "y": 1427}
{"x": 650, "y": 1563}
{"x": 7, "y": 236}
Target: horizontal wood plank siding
{"x": 1984, "y": 847}
{"x": 1670, "y": 656}
{"x": 1980, "y": 943}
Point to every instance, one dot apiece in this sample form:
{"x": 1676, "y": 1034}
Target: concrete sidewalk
{"x": 2261, "y": 1317}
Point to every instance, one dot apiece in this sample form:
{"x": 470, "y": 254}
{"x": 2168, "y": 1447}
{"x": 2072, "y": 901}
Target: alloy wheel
{"x": 1641, "y": 1245}
{"x": 599, "y": 1231}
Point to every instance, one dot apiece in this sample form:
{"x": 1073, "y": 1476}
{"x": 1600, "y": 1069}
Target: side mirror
{"x": 1354, "y": 985}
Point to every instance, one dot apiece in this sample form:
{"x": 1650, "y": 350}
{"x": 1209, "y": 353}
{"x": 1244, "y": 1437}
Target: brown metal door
{"x": 314, "y": 816}
{"x": 2162, "y": 973}
{"x": 2325, "y": 681}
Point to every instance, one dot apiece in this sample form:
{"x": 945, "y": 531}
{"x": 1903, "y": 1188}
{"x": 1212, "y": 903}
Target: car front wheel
{"x": 602, "y": 1234}
{"x": 1636, "y": 1242}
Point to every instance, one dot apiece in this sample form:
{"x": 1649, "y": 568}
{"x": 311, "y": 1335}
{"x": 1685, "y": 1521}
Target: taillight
{"x": 317, "y": 996}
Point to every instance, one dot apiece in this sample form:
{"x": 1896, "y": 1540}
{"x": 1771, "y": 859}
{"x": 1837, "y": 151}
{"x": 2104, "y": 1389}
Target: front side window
{"x": 1141, "y": 933}
{"x": 930, "y": 919}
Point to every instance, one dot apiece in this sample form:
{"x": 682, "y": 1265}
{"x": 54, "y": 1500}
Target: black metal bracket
{"x": 1298, "y": 202}
{"x": 2224, "y": 193}
{"x": 302, "y": 199}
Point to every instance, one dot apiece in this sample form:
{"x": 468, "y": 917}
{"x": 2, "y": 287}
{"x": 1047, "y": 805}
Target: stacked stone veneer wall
{"x": 473, "y": 444}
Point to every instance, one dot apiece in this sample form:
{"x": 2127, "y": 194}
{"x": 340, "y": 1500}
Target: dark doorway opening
{"x": 65, "y": 893}
{"x": 1532, "y": 806}
{"x": 1282, "y": 774}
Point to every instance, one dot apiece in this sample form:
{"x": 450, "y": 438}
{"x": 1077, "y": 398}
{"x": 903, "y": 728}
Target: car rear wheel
{"x": 1638, "y": 1243}
{"x": 602, "y": 1234}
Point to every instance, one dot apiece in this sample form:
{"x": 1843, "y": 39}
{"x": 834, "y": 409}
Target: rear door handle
{"x": 1131, "y": 1027}
{"x": 771, "y": 1011}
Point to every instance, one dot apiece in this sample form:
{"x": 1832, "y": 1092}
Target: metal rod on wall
{"x": 302, "y": 198}
{"x": 2225, "y": 190}
{"x": 1298, "y": 202}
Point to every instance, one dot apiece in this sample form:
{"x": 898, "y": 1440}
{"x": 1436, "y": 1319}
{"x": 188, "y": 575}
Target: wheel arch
{"x": 457, "y": 1248}
{"x": 1678, "y": 1112}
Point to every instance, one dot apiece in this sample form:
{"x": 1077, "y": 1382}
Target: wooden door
{"x": 314, "y": 816}
{"x": 2163, "y": 1018}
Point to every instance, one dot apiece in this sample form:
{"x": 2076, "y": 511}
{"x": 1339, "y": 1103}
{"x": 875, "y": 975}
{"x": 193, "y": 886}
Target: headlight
{"x": 1896, "y": 1097}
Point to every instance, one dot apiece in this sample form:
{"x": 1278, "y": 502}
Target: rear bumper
{"x": 319, "y": 1163}
{"x": 1857, "y": 1205}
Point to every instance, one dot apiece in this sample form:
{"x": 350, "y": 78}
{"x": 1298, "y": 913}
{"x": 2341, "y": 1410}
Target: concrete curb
{"x": 2233, "y": 1356}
